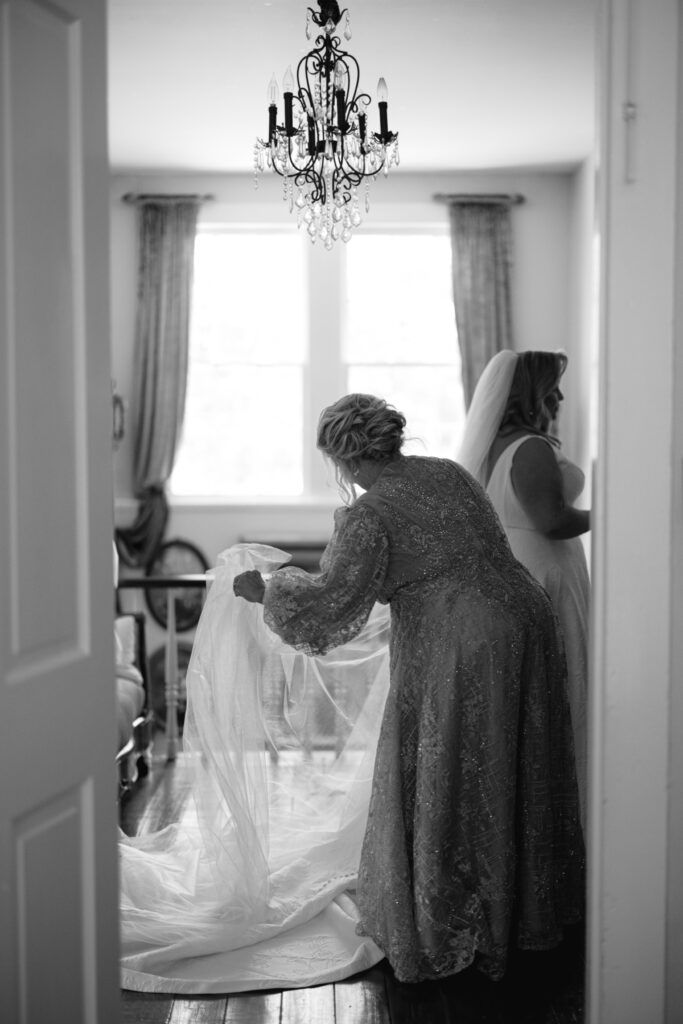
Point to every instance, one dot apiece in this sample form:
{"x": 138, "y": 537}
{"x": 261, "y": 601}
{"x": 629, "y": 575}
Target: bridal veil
{"x": 253, "y": 886}
{"x": 485, "y": 413}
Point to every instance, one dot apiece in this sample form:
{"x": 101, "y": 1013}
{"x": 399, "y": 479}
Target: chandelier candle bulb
{"x": 340, "y": 95}
{"x": 341, "y": 110}
{"x": 382, "y": 98}
{"x": 363, "y": 102}
{"x": 272, "y": 110}
{"x": 288, "y": 92}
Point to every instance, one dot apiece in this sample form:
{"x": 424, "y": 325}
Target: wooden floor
{"x": 540, "y": 988}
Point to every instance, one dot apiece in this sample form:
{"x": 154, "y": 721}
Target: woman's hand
{"x": 250, "y": 585}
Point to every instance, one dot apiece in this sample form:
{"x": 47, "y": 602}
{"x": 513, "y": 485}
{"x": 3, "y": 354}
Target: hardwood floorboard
{"x": 146, "y": 1008}
{"x": 312, "y": 1005}
{"x": 207, "y": 1010}
{"x": 540, "y": 988}
{"x": 362, "y": 999}
{"x": 421, "y": 1003}
{"x": 162, "y": 803}
{"x": 254, "y": 1008}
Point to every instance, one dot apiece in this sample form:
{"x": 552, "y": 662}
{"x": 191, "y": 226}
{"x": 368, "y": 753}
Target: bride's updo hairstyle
{"x": 358, "y": 427}
{"x": 536, "y": 375}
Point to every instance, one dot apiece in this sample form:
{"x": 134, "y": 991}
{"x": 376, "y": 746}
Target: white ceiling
{"x": 472, "y": 84}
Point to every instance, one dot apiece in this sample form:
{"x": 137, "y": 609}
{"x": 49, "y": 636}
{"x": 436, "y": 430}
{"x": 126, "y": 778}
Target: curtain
{"x": 481, "y": 248}
{"x": 166, "y": 233}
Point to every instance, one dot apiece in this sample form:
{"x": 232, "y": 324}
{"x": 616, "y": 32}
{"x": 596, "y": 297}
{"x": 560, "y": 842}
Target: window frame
{"x": 324, "y": 371}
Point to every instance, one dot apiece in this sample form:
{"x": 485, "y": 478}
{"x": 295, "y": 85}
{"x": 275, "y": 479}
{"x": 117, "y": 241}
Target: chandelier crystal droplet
{"x": 324, "y": 150}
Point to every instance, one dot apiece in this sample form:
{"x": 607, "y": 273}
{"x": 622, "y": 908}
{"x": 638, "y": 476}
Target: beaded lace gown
{"x": 473, "y": 838}
{"x": 560, "y": 567}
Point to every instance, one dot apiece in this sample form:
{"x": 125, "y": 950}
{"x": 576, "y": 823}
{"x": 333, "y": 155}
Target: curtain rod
{"x": 471, "y": 197}
{"x": 141, "y": 197}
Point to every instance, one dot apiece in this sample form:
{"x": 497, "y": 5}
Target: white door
{"x": 636, "y": 882}
{"x": 58, "y": 869}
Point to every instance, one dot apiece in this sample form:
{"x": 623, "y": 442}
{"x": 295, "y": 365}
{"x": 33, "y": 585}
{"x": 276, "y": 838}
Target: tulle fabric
{"x": 561, "y": 568}
{"x": 253, "y": 887}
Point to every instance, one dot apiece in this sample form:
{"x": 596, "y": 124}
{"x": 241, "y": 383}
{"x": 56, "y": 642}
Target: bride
{"x": 510, "y": 447}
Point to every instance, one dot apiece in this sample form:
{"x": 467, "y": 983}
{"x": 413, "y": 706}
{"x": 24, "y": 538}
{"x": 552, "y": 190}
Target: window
{"x": 400, "y": 340}
{"x": 256, "y": 385}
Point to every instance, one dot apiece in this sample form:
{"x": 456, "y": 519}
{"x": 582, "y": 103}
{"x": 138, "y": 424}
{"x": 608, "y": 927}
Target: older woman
{"x": 473, "y": 837}
{"x": 510, "y": 448}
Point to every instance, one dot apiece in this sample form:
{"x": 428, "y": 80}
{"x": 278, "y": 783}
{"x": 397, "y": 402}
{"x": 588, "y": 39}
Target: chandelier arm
{"x": 348, "y": 178}
{"x": 316, "y": 181}
{"x": 312, "y": 65}
{"x": 305, "y": 176}
{"x": 351, "y": 64}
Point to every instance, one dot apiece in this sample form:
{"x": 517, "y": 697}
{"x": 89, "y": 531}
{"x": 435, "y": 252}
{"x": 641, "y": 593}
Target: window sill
{"x": 311, "y": 503}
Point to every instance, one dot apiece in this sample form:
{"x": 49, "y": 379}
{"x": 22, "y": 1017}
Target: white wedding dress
{"x": 561, "y": 568}
{"x": 253, "y": 888}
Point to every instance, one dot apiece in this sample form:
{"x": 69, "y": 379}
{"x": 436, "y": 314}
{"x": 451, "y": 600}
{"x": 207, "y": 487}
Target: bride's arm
{"x": 537, "y": 482}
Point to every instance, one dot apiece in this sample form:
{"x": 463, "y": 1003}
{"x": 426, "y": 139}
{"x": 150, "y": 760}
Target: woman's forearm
{"x": 538, "y": 484}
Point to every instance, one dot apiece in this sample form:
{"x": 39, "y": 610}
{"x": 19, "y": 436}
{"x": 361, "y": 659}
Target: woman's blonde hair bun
{"x": 360, "y": 426}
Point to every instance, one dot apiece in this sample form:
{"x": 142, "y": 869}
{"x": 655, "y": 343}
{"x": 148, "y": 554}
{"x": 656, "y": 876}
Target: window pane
{"x": 400, "y": 339}
{"x": 430, "y": 398}
{"x": 400, "y": 299}
{"x": 249, "y": 299}
{"x": 242, "y": 424}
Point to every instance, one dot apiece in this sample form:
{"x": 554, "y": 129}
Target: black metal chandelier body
{"x": 324, "y": 150}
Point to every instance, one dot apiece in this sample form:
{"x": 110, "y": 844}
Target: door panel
{"x": 58, "y": 882}
{"x": 48, "y": 854}
{"x": 46, "y": 343}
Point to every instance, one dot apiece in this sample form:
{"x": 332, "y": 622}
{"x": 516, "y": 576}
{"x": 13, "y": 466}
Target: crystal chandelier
{"x": 324, "y": 150}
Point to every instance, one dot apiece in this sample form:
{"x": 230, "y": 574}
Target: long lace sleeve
{"x": 317, "y": 613}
